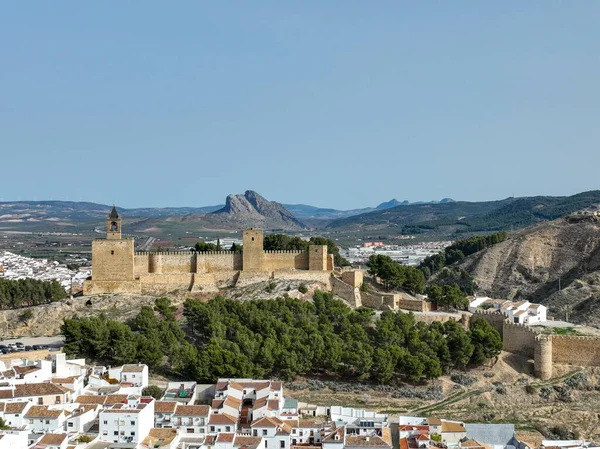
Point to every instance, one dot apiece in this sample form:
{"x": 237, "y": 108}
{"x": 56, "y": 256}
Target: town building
{"x": 520, "y": 312}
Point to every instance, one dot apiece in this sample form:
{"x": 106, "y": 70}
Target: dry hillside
{"x": 556, "y": 263}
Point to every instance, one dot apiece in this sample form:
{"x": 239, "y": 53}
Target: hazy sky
{"x": 340, "y": 104}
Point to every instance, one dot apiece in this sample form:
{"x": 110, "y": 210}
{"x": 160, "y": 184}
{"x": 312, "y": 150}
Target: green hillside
{"x": 467, "y": 217}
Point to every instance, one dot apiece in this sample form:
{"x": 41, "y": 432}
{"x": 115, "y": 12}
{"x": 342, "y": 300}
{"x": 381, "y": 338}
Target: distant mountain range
{"x": 445, "y": 218}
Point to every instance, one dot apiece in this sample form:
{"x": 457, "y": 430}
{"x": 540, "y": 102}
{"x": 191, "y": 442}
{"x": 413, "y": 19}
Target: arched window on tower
{"x": 114, "y": 227}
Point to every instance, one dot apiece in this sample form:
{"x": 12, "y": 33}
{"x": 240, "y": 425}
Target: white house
{"x": 13, "y": 413}
{"x": 82, "y": 418}
{"x": 220, "y": 423}
{"x": 195, "y": 418}
{"x": 127, "y": 423}
{"x": 521, "y": 312}
{"x": 52, "y": 441}
{"x": 13, "y": 439}
{"x": 164, "y": 412}
{"x": 43, "y": 419}
{"x": 307, "y": 431}
{"x": 275, "y": 432}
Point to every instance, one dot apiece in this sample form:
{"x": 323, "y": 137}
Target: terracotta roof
{"x": 365, "y": 440}
{"x": 310, "y": 423}
{"x": 403, "y": 443}
{"x": 409, "y": 428}
{"x": 435, "y": 422}
{"x": 192, "y": 410}
{"x": 222, "y": 385}
{"x": 386, "y": 436}
{"x": 233, "y": 402}
{"x": 112, "y": 399}
{"x": 159, "y": 436}
{"x": 63, "y": 380}
{"x": 236, "y": 386}
{"x": 133, "y": 368}
{"x": 474, "y": 444}
{"x": 164, "y": 406}
{"x": 55, "y": 439}
{"x": 225, "y": 437}
{"x": 221, "y": 419}
{"x": 38, "y": 389}
{"x": 25, "y": 369}
{"x": 210, "y": 440}
{"x": 42, "y": 411}
{"x": 267, "y": 421}
{"x": 331, "y": 437}
{"x": 422, "y": 437}
{"x": 100, "y": 400}
{"x": 276, "y": 386}
{"x": 244, "y": 440}
{"x": 453, "y": 426}
{"x": 15, "y": 407}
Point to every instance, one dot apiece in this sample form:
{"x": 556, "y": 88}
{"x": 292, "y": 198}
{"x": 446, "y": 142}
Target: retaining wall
{"x": 582, "y": 351}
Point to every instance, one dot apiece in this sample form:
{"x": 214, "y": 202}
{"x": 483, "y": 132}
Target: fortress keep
{"x": 118, "y": 268}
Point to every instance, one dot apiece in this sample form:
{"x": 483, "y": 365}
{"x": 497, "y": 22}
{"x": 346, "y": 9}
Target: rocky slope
{"x": 555, "y": 263}
{"x": 249, "y": 210}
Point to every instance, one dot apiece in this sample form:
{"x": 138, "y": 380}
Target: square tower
{"x": 253, "y": 254}
{"x": 113, "y": 225}
{"x": 317, "y": 257}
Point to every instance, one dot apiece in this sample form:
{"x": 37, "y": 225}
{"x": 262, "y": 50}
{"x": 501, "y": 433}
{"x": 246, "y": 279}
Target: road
{"x": 53, "y": 342}
{"x": 146, "y": 245}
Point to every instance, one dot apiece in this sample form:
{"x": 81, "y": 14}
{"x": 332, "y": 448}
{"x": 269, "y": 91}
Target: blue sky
{"x": 337, "y": 104}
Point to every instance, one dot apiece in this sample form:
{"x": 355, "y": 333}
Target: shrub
{"x": 577, "y": 380}
{"x": 153, "y": 390}
{"x": 563, "y": 393}
{"x": 84, "y": 439}
{"x": 546, "y": 392}
{"x": 270, "y": 287}
{"x": 26, "y": 316}
{"x": 488, "y": 416}
{"x": 499, "y": 387}
{"x": 489, "y": 374}
{"x": 302, "y": 288}
{"x": 463, "y": 379}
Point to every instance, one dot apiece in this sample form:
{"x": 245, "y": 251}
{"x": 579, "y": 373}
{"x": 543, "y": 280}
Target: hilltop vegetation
{"x": 468, "y": 217}
{"x": 29, "y": 292}
{"x": 285, "y": 338}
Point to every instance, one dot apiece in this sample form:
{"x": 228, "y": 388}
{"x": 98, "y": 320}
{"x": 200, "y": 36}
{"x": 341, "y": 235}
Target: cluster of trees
{"x": 459, "y": 250}
{"x": 449, "y": 296}
{"x": 29, "y": 292}
{"x": 282, "y": 242}
{"x": 205, "y": 246}
{"x": 395, "y": 275}
{"x": 285, "y": 337}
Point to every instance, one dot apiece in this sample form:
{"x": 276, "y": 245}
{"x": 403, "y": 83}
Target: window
{"x": 266, "y": 444}
{"x": 31, "y": 421}
{"x": 264, "y": 432}
{"x": 282, "y": 444}
{"x": 132, "y": 423}
{"x": 47, "y": 421}
{"x": 212, "y": 428}
{"x": 190, "y": 430}
{"x": 116, "y": 432}
{"x": 132, "y": 433}
{"x": 57, "y": 399}
{"x": 40, "y": 401}
{"x": 227, "y": 429}
{"x": 105, "y": 432}
{"x": 255, "y": 432}
{"x": 105, "y": 422}
{"x": 70, "y": 424}
{"x": 112, "y": 252}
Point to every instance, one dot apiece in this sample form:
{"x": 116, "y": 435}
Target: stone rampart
{"x": 407, "y": 302}
{"x": 285, "y": 260}
{"x": 218, "y": 261}
{"x": 519, "y": 339}
{"x": 324, "y": 277}
{"x": 97, "y": 287}
{"x": 573, "y": 350}
{"x": 352, "y": 295}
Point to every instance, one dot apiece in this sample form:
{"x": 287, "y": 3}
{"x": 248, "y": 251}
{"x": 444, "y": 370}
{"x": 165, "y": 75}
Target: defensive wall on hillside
{"x": 546, "y": 350}
{"x": 117, "y": 268}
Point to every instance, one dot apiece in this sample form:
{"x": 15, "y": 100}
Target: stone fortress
{"x": 118, "y": 268}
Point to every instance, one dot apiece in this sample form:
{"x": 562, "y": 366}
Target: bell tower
{"x": 113, "y": 225}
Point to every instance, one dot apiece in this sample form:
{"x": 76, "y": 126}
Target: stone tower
{"x": 252, "y": 252}
{"x": 317, "y": 257}
{"x": 542, "y": 357}
{"x": 113, "y": 225}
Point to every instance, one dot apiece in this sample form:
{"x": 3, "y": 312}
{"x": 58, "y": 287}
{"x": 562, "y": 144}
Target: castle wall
{"x": 352, "y": 295}
{"x": 112, "y": 260}
{"x": 317, "y": 257}
{"x": 542, "y": 363}
{"x": 219, "y": 261}
{"x": 519, "y": 339}
{"x": 581, "y": 351}
{"x": 285, "y": 260}
{"x": 406, "y": 302}
{"x": 354, "y": 278}
{"x": 141, "y": 263}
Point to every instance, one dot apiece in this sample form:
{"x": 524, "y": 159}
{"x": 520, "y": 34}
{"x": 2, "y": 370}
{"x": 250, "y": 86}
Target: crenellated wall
{"x": 572, "y": 350}
{"x": 519, "y": 339}
{"x": 495, "y": 318}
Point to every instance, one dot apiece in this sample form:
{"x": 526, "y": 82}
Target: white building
{"x": 127, "y": 423}
{"x": 13, "y": 413}
{"x": 13, "y": 439}
{"x": 195, "y": 418}
{"x": 43, "y": 419}
{"x": 521, "y": 312}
